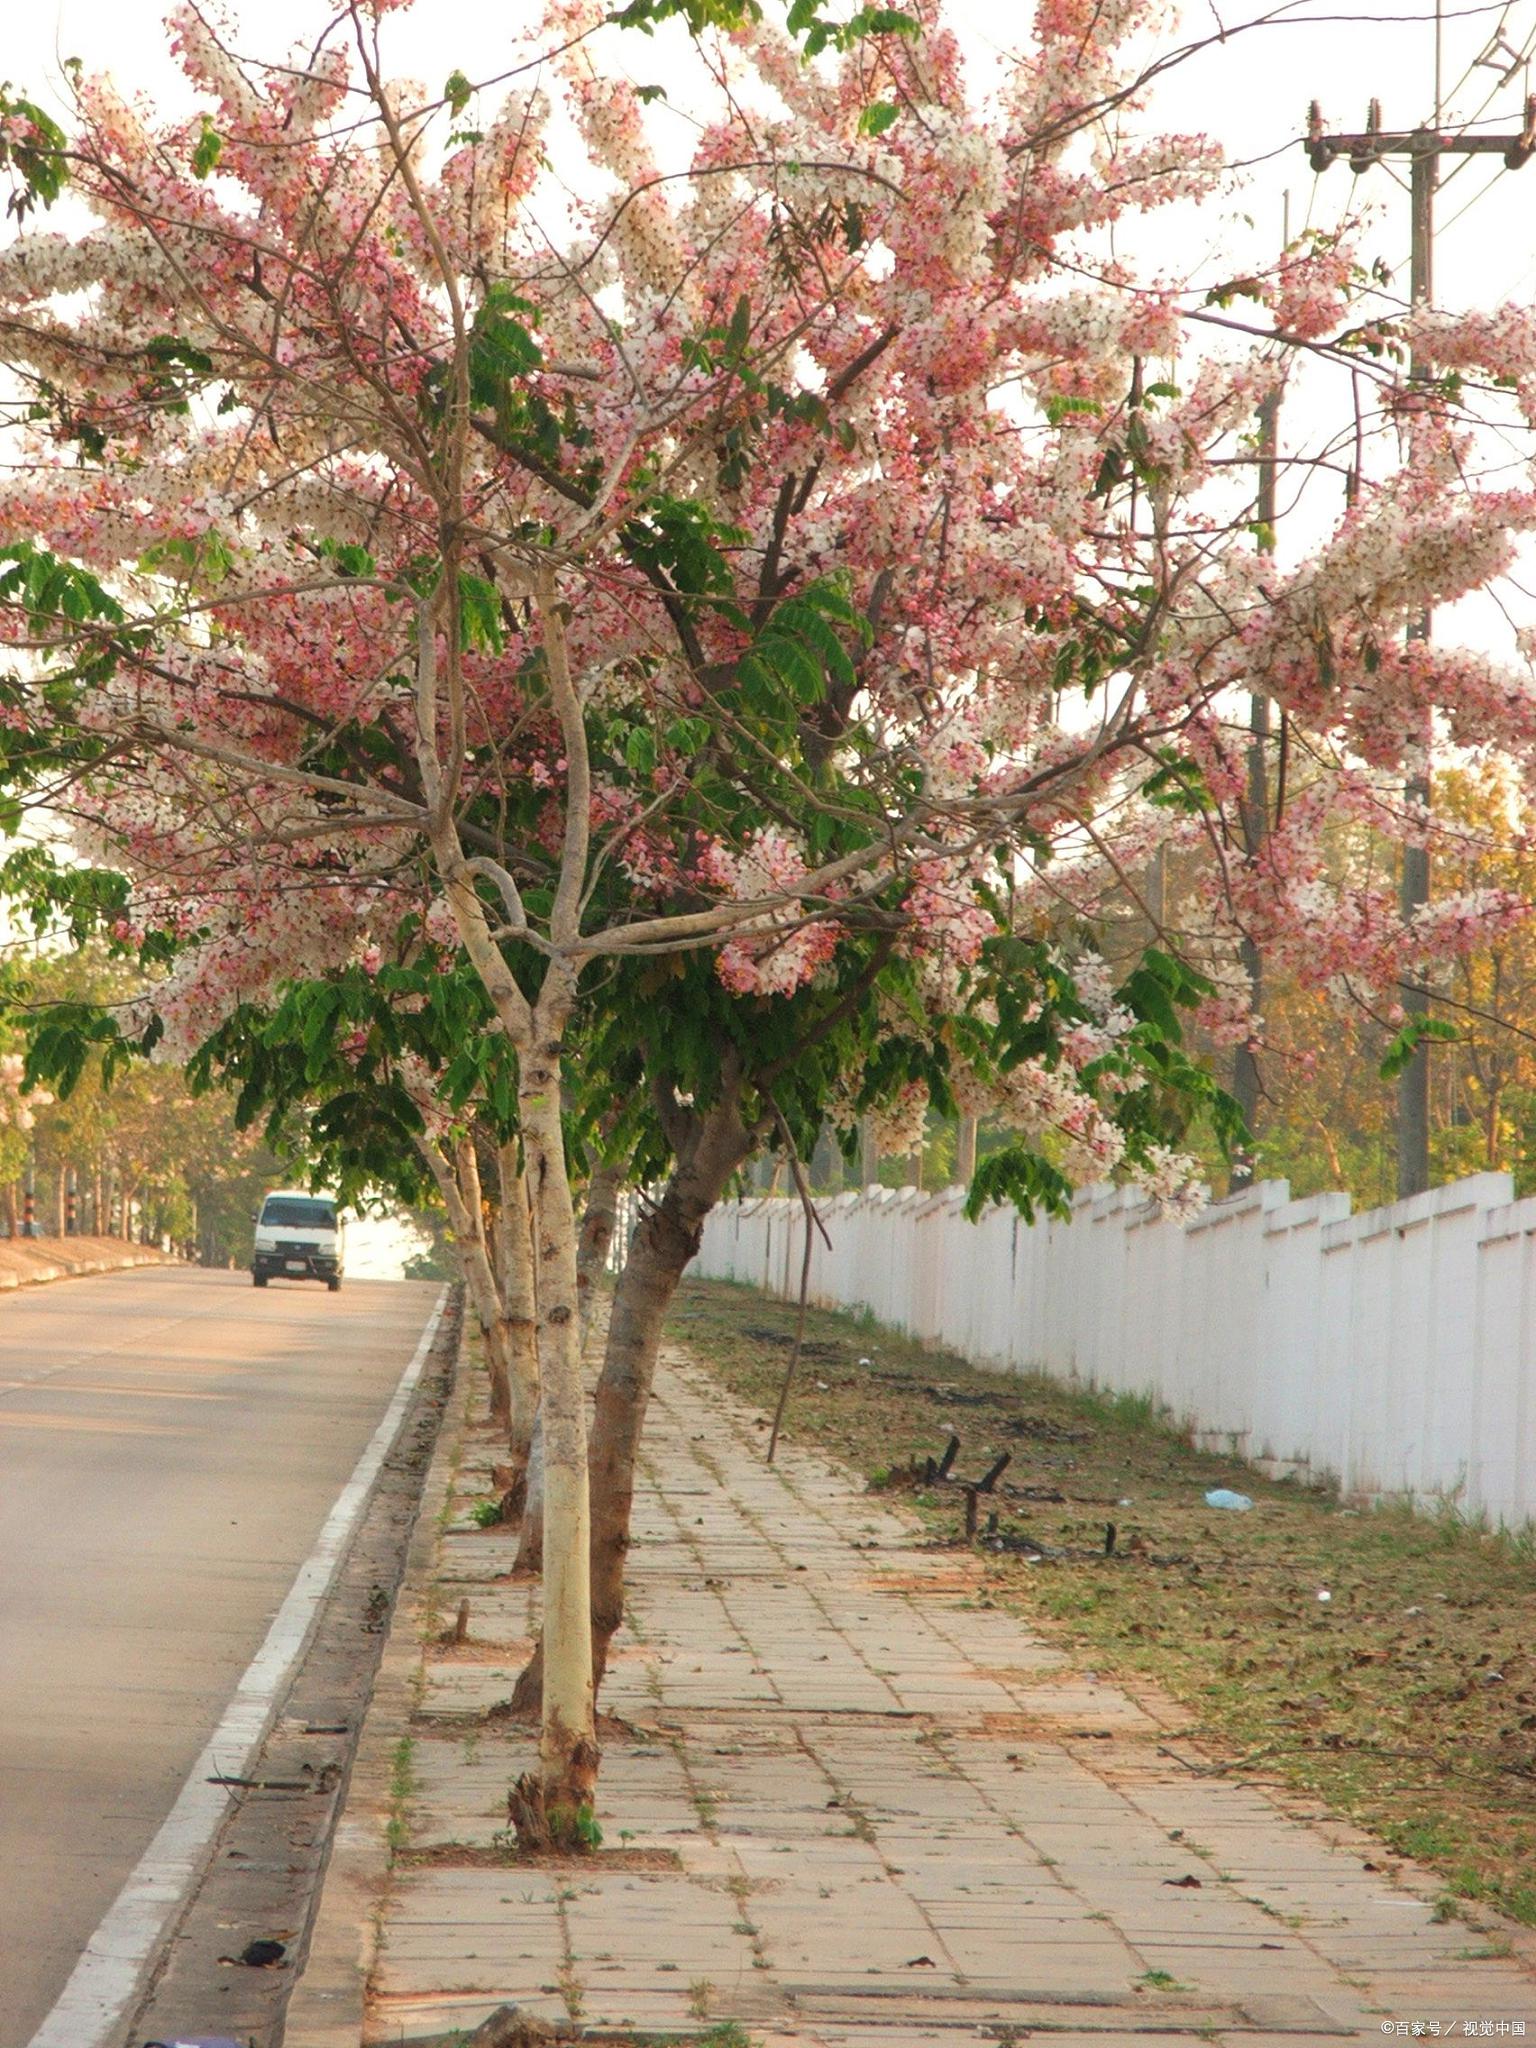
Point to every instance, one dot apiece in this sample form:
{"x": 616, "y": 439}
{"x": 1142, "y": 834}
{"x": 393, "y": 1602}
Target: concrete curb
{"x": 76, "y": 1269}
{"x": 326, "y": 2009}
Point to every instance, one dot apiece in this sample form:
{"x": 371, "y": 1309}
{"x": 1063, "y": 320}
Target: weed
{"x": 701, "y": 1996}
{"x": 486, "y": 1514}
{"x": 587, "y": 1828}
{"x": 572, "y": 1990}
{"x": 1161, "y": 1980}
{"x": 402, "y": 1790}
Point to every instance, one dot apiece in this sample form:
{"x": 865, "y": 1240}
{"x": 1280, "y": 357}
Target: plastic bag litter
{"x": 1224, "y": 1497}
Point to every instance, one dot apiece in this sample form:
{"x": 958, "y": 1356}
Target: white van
{"x": 298, "y": 1237}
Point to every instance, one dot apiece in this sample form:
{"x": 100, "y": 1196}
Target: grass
{"x": 402, "y": 1790}
{"x": 1407, "y": 1701}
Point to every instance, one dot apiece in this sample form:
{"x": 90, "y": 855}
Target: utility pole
{"x": 1255, "y": 807}
{"x": 1423, "y": 147}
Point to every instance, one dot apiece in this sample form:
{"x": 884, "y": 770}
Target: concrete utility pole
{"x": 1423, "y": 148}
{"x": 1255, "y": 808}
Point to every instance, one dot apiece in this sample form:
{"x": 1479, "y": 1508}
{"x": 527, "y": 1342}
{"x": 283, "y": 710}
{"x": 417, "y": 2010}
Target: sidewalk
{"x": 849, "y": 1808}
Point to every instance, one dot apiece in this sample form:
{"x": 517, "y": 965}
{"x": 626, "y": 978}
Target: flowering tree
{"x": 757, "y": 600}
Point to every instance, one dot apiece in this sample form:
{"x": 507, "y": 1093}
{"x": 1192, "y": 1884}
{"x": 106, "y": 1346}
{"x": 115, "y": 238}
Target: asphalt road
{"x": 170, "y": 1443}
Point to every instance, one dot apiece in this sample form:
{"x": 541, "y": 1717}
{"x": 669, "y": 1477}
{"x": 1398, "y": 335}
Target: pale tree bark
{"x": 595, "y": 1236}
{"x": 568, "y": 1753}
{"x": 512, "y": 1244}
{"x": 466, "y": 1221}
{"x": 555, "y": 1804}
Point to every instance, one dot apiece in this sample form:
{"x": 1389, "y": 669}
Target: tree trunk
{"x": 493, "y": 1317}
{"x": 568, "y": 1754}
{"x": 869, "y": 1155}
{"x": 665, "y": 1240}
{"x": 965, "y": 1152}
{"x": 530, "y": 1543}
{"x": 513, "y": 1246}
{"x": 125, "y": 1229}
{"x": 1491, "y": 1135}
{"x": 597, "y": 1225}
{"x": 459, "y": 1185}
{"x": 12, "y": 1209}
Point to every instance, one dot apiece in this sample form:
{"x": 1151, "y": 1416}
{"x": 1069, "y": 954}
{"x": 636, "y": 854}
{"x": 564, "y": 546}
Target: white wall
{"x": 1394, "y": 1351}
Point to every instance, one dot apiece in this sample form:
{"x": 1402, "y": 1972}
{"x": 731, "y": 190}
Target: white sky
{"x": 1251, "y": 93}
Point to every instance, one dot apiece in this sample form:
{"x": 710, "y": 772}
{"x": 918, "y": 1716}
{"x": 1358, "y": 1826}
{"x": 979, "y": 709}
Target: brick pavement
{"x": 877, "y": 1814}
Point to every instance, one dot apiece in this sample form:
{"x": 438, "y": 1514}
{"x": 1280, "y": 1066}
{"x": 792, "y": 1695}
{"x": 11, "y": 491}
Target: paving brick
{"x": 882, "y": 1820}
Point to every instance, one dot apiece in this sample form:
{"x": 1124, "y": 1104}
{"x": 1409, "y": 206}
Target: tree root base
{"x": 564, "y": 1823}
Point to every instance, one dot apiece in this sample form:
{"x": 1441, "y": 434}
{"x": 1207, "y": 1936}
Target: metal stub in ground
{"x": 973, "y": 2008}
{"x": 507, "y": 2027}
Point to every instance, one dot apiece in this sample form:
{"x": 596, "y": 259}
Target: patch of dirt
{"x": 472, "y": 1652}
{"x": 964, "y": 1580}
{"x": 1405, "y": 1701}
{"x": 486, "y": 1856}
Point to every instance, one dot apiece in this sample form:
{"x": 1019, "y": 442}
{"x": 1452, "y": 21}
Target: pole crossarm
{"x": 1370, "y": 145}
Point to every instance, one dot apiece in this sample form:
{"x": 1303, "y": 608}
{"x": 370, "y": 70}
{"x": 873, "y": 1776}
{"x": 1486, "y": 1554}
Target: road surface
{"x": 170, "y": 1443}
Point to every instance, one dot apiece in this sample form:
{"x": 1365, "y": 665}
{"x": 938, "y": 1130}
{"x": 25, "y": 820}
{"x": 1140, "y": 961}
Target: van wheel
{"x": 334, "y": 1286}
{"x": 258, "y": 1279}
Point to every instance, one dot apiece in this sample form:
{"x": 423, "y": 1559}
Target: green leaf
{"x": 480, "y": 621}
{"x": 1023, "y": 1178}
{"x": 33, "y": 145}
{"x": 457, "y": 91}
{"x": 699, "y": 15}
{"x": 501, "y": 349}
{"x": 876, "y": 119}
{"x": 207, "y": 150}
{"x": 1418, "y": 1031}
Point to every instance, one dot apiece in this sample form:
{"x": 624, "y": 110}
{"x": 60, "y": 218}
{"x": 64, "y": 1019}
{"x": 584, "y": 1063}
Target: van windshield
{"x": 294, "y": 1212}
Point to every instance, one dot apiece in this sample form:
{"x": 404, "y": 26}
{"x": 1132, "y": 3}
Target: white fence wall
{"x": 1393, "y": 1351}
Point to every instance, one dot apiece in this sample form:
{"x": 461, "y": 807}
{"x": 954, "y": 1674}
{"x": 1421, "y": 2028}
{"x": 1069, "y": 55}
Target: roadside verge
{"x": 29, "y": 1261}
